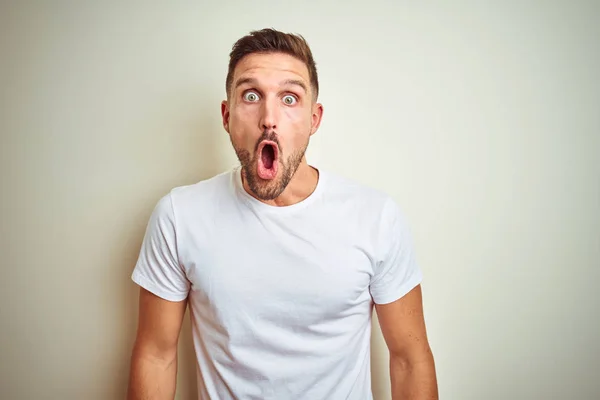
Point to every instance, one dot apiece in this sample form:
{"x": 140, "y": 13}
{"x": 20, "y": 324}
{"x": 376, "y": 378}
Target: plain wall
{"x": 481, "y": 119}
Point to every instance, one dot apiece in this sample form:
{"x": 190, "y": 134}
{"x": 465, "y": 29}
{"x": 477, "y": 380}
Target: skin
{"x": 153, "y": 370}
{"x": 412, "y": 366}
{"x": 258, "y": 107}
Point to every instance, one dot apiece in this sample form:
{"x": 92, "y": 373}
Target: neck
{"x": 302, "y": 185}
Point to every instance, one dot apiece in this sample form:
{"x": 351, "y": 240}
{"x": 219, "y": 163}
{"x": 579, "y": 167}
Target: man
{"x": 281, "y": 262}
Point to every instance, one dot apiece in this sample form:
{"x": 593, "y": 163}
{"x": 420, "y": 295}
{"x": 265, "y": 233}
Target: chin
{"x": 265, "y": 189}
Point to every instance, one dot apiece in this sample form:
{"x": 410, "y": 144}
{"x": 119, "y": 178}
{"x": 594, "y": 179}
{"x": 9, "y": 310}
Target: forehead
{"x": 271, "y": 66}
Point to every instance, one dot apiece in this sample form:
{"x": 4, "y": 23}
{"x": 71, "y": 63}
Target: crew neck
{"x": 255, "y": 203}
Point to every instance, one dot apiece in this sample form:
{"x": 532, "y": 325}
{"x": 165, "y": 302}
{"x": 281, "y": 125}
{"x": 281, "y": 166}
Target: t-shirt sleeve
{"x": 396, "y": 270}
{"x": 158, "y": 269}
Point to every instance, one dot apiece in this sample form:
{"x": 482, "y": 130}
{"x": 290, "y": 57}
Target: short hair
{"x": 267, "y": 41}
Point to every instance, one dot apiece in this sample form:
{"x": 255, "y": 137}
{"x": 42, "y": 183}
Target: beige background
{"x": 483, "y": 121}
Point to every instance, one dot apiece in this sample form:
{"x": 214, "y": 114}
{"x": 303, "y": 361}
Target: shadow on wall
{"x": 198, "y": 158}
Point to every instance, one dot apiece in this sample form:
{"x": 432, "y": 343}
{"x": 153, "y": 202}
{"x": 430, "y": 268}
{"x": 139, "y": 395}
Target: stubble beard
{"x": 263, "y": 189}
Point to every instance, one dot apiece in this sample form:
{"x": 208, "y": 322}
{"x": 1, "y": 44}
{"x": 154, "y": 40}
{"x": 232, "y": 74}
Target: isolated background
{"x": 482, "y": 119}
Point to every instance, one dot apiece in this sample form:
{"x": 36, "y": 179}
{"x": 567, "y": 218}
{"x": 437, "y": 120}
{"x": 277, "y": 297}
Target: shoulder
{"x": 202, "y": 192}
{"x": 364, "y": 209}
{"x": 182, "y": 202}
{"x": 341, "y": 188}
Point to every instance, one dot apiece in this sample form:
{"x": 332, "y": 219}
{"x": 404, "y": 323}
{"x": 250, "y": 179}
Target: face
{"x": 270, "y": 115}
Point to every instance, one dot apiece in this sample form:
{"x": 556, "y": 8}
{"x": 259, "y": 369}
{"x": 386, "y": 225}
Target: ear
{"x": 225, "y": 114}
{"x": 317, "y": 115}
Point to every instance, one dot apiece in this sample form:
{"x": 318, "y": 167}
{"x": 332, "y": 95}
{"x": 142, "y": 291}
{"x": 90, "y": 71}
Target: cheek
{"x": 296, "y": 116}
{"x": 241, "y": 121}
{"x": 300, "y": 123}
{"x": 242, "y": 116}
{"x": 301, "y": 129}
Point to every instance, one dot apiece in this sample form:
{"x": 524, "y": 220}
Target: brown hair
{"x": 273, "y": 41}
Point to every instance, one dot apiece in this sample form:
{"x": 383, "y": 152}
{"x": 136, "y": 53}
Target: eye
{"x": 250, "y": 96}
{"x": 289, "y": 100}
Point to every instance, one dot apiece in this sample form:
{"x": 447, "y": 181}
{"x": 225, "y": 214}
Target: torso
{"x": 279, "y": 296}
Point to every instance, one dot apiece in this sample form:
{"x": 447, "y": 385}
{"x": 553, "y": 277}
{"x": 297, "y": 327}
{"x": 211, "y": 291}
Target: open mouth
{"x": 268, "y": 156}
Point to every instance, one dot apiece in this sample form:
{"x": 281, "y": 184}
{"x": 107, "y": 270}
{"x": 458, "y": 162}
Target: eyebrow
{"x": 243, "y": 81}
{"x": 296, "y": 82}
{"x": 253, "y": 81}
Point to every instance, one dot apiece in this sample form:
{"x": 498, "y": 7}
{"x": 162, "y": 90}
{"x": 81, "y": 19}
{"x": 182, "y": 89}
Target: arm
{"x": 153, "y": 373}
{"x": 412, "y": 369}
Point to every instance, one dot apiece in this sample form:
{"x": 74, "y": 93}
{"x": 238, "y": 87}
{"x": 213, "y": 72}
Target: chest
{"x": 287, "y": 274}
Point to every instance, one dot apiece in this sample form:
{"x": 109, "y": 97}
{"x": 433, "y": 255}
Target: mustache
{"x": 267, "y": 135}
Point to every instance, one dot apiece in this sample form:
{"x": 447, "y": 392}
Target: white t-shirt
{"x": 280, "y": 298}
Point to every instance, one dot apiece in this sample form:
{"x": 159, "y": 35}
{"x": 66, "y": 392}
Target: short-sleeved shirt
{"x": 280, "y": 298}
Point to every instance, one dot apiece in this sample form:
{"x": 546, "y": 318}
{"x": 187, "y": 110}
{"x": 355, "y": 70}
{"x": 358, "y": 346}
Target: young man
{"x": 280, "y": 262}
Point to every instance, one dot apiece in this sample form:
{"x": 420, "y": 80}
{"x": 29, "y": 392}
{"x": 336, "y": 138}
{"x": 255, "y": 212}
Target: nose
{"x": 269, "y": 115}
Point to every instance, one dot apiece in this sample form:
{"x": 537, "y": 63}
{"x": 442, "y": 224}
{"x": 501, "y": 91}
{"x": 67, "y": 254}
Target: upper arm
{"x": 396, "y": 287}
{"x": 395, "y": 272}
{"x": 403, "y": 326}
{"x": 163, "y": 282}
{"x": 159, "y": 325}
